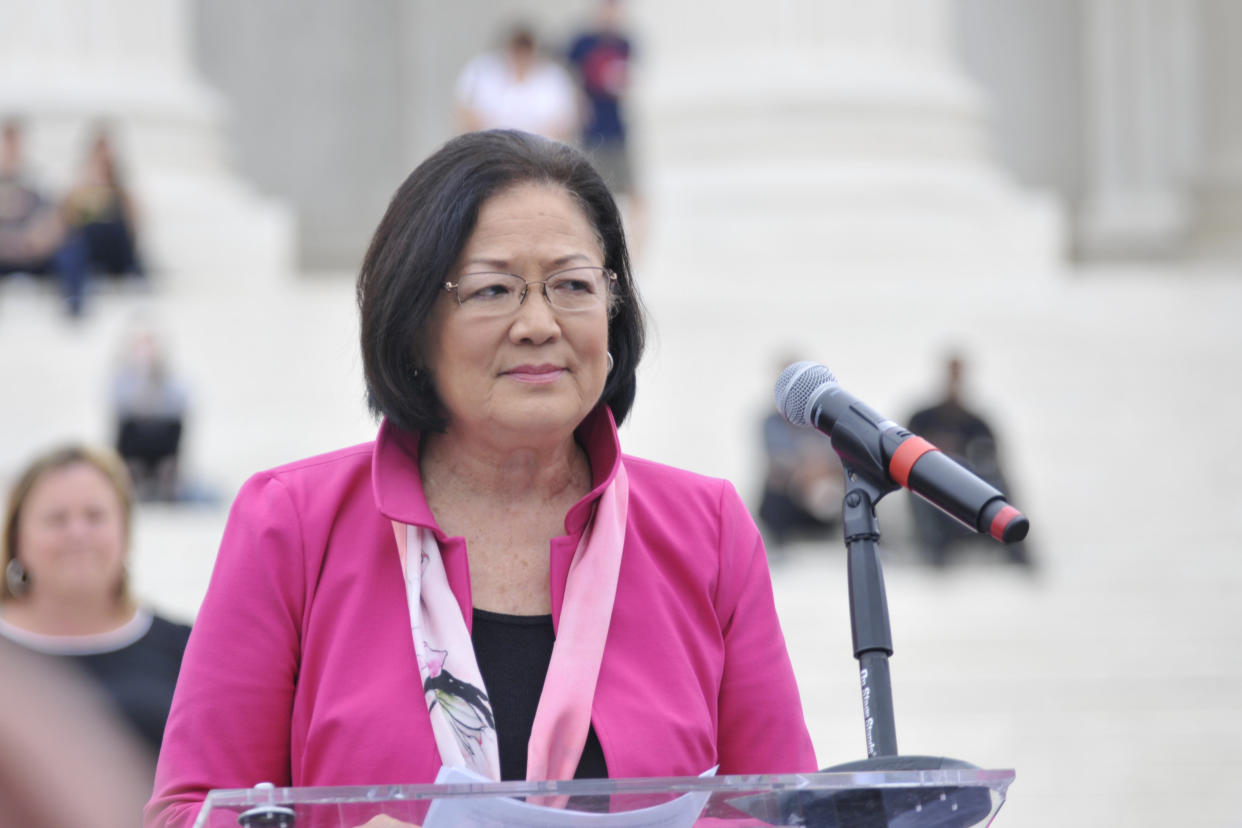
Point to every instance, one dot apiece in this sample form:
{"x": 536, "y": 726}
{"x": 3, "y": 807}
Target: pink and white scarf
{"x": 457, "y": 701}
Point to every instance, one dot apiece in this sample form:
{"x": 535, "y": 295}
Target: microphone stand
{"x": 867, "y": 444}
{"x": 943, "y": 807}
{"x": 869, "y": 624}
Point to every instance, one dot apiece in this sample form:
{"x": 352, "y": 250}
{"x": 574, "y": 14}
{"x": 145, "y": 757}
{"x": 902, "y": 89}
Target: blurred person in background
{"x": 951, "y": 426}
{"x": 517, "y": 88}
{"x": 100, "y": 211}
{"x": 490, "y": 584}
{"x": 65, "y": 757}
{"x": 803, "y": 483}
{"x": 600, "y": 56}
{"x": 33, "y": 238}
{"x": 66, "y": 538}
{"x": 149, "y": 404}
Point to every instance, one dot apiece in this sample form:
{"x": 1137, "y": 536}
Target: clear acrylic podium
{"x": 911, "y": 799}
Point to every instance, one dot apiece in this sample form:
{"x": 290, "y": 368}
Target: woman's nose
{"x": 77, "y": 527}
{"x": 536, "y": 319}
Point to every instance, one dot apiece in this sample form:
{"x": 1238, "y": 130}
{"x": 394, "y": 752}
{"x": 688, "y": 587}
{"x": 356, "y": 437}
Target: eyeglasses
{"x": 499, "y": 294}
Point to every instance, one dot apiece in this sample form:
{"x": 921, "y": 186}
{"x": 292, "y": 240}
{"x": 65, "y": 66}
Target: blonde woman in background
{"x": 65, "y": 591}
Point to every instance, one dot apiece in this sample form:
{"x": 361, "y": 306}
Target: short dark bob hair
{"x": 420, "y": 239}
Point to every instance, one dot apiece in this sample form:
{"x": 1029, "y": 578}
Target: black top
{"x": 140, "y": 678}
{"x": 513, "y": 652}
{"x": 137, "y": 675}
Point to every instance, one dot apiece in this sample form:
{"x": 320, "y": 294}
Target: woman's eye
{"x": 491, "y": 290}
{"x": 572, "y": 286}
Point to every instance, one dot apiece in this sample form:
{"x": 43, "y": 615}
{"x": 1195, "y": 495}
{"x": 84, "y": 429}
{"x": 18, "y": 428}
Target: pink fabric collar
{"x": 564, "y": 713}
{"x": 456, "y": 698}
{"x": 398, "y": 490}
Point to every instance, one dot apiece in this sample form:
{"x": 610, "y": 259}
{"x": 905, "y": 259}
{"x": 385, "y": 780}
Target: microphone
{"x": 808, "y": 395}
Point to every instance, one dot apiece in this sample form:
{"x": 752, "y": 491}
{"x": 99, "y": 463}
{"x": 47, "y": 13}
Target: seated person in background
{"x": 803, "y": 483}
{"x": 32, "y": 235}
{"x": 149, "y": 405}
{"x": 100, "y": 212}
{"x": 967, "y": 438}
{"x": 65, "y": 591}
{"x": 490, "y": 584}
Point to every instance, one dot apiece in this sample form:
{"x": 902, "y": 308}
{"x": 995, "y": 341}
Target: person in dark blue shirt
{"x": 600, "y": 57}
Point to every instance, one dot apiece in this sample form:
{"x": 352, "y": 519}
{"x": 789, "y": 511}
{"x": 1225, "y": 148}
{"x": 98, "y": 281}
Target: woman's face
{"x": 536, "y": 372}
{"x": 71, "y": 533}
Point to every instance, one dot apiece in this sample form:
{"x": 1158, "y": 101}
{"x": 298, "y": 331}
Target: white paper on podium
{"x": 504, "y": 812}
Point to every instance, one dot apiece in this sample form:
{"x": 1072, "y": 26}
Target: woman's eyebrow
{"x": 503, "y": 265}
{"x": 498, "y": 264}
{"x": 570, "y": 258}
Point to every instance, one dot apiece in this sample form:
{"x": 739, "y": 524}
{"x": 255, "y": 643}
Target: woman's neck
{"x": 540, "y": 472}
{"x": 57, "y": 615}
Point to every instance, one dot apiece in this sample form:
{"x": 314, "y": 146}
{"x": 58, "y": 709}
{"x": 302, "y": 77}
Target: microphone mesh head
{"x": 796, "y": 387}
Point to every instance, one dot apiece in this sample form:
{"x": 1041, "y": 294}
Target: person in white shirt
{"x": 517, "y": 88}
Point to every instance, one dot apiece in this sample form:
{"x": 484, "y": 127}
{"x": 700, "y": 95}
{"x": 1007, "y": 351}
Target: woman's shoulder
{"x": 684, "y": 512}
{"x": 319, "y": 468}
{"x": 676, "y": 486}
{"x": 307, "y": 495}
{"x": 651, "y": 470}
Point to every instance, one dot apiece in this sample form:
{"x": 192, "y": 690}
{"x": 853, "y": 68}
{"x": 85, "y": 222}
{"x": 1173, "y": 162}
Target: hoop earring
{"x": 610, "y": 361}
{"x": 16, "y": 578}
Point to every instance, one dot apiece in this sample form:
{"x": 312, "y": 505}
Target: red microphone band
{"x": 1001, "y": 522}
{"x": 906, "y": 455}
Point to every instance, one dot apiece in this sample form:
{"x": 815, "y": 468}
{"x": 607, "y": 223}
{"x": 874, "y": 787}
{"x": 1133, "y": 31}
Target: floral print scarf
{"x": 457, "y": 700}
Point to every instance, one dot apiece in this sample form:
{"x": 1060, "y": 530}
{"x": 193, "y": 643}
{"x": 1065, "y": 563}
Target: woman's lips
{"x": 536, "y": 373}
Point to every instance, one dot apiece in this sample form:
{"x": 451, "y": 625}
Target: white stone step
{"x": 1110, "y": 681}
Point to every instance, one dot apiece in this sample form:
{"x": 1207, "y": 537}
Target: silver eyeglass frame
{"x": 610, "y": 284}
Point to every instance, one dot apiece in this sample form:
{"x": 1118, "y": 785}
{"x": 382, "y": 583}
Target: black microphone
{"x": 807, "y": 394}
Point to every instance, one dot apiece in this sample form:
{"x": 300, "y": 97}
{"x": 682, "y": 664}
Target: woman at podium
{"x": 491, "y": 583}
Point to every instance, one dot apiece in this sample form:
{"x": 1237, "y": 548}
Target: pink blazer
{"x": 300, "y": 669}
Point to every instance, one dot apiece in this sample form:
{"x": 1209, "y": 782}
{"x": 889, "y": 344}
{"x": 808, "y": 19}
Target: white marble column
{"x": 831, "y": 130}
{"x": 66, "y": 64}
{"x": 1142, "y": 115}
{"x": 1218, "y": 225}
